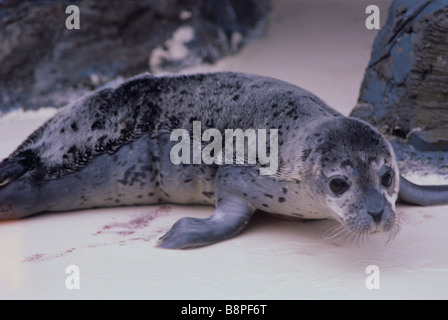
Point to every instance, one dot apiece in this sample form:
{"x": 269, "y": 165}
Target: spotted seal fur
{"x": 111, "y": 148}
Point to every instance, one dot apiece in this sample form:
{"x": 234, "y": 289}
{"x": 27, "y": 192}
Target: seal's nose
{"x": 376, "y": 215}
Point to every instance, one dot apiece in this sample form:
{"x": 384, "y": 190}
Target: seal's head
{"x": 352, "y": 168}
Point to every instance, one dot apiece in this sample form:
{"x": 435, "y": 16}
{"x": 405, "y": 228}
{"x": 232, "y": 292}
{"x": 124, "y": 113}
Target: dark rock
{"x": 429, "y": 140}
{"x": 422, "y": 164}
{"x": 405, "y": 87}
{"x": 43, "y": 63}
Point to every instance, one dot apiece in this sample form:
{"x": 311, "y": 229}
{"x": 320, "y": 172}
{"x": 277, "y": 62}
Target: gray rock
{"x": 405, "y": 87}
{"x": 43, "y": 63}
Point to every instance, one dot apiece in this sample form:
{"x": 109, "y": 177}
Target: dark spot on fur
{"x": 174, "y": 122}
{"x": 265, "y": 205}
{"x": 281, "y": 199}
{"x": 284, "y": 190}
{"x": 193, "y": 119}
{"x": 74, "y": 126}
{"x": 97, "y": 125}
{"x": 305, "y": 154}
{"x": 28, "y": 159}
{"x": 346, "y": 163}
{"x": 209, "y": 123}
{"x": 269, "y": 195}
{"x": 188, "y": 180}
{"x": 73, "y": 149}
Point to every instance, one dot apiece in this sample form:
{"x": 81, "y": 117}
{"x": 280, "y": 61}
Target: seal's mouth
{"x": 377, "y": 228}
{"x": 361, "y": 230}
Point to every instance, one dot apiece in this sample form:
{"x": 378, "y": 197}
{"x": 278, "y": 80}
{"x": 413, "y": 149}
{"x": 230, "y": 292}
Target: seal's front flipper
{"x": 229, "y": 219}
{"x": 422, "y": 195}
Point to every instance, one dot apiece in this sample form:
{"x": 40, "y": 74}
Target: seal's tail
{"x": 422, "y": 195}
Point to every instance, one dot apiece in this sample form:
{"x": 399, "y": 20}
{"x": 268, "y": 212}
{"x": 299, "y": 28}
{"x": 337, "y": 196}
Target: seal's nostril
{"x": 376, "y": 215}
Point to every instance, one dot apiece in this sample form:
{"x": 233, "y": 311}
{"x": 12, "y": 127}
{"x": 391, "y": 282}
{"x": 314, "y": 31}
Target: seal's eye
{"x": 386, "y": 179}
{"x": 339, "y": 186}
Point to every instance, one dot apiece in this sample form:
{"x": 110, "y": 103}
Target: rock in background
{"x": 42, "y": 63}
{"x": 405, "y": 88}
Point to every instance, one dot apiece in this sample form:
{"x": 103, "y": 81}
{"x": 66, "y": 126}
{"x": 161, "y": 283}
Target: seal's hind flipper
{"x": 422, "y": 195}
{"x": 9, "y": 171}
{"x": 228, "y": 220}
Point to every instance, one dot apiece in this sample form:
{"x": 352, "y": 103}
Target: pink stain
{"x": 40, "y": 257}
{"x": 135, "y": 223}
{"x": 122, "y": 229}
{"x": 35, "y": 257}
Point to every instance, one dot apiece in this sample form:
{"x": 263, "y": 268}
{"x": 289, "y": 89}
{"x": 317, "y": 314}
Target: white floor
{"x": 322, "y": 46}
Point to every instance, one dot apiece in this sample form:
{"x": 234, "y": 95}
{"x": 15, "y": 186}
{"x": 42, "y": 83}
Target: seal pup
{"x": 112, "y": 148}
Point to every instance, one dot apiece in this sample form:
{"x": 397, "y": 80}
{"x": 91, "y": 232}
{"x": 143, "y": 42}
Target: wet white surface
{"x": 322, "y": 46}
